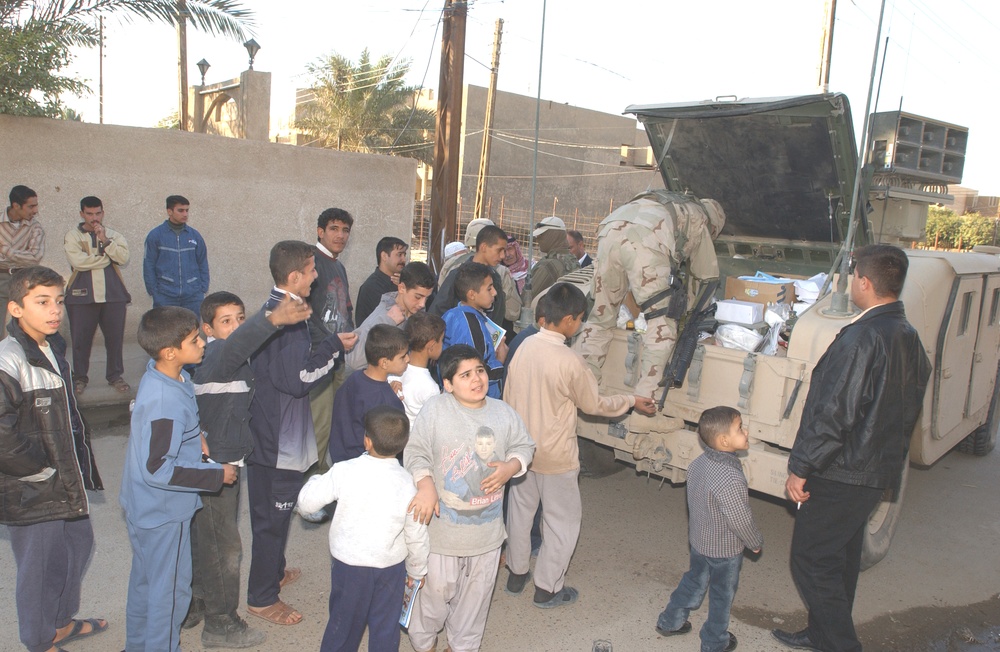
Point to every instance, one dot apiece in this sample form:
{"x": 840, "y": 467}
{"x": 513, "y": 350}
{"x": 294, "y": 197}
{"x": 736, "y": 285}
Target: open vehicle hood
{"x": 776, "y": 164}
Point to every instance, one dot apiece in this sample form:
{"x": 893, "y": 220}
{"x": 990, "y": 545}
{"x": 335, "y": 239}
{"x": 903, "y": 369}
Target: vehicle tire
{"x": 983, "y": 439}
{"x": 882, "y": 524}
{"x": 597, "y": 461}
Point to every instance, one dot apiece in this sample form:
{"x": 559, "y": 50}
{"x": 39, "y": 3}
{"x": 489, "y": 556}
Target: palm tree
{"x": 366, "y": 107}
{"x": 36, "y": 37}
{"x": 70, "y": 115}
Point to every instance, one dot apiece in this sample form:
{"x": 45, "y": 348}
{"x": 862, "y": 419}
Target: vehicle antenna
{"x": 839, "y": 304}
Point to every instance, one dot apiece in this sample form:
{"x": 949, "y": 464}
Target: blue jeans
{"x": 719, "y": 577}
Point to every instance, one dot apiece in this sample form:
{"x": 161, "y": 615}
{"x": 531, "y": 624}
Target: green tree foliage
{"x": 947, "y": 230}
{"x": 169, "y": 122}
{"x": 366, "y": 107}
{"x": 31, "y": 56}
{"x": 942, "y": 228}
{"x": 976, "y": 230}
{"x": 36, "y": 37}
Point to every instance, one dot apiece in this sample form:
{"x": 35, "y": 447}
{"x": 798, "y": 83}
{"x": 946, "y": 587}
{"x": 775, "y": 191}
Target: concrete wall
{"x": 579, "y": 162}
{"x": 245, "y": 195}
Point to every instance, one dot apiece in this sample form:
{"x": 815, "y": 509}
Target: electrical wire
{"x": 567, "y": 176}
{"x": 559, "y": 156}
{"x": 423, "y": 79}
{"x": 562, "y": 143}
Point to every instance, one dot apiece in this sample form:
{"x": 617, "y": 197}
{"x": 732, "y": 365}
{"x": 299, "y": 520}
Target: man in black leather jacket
{"x": 864, "y": 400}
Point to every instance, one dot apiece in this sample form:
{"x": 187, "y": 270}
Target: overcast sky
{"x": 941, "y": 60}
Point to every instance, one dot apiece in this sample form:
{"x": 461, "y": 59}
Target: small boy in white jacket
{"x": 425, "y": 333}
{"x": 377, "y": 548}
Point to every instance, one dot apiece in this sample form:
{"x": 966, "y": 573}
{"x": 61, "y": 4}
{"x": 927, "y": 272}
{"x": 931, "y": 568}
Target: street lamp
{"x": 203, "y": 66}
{"x": 252, "y": 49}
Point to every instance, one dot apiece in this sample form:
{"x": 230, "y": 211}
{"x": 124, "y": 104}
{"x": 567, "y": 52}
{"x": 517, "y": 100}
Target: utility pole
{"x": 182, "y": 60}
{"x": 484, "y": 157}
{"x": 827, "y": 49}
{"x": 447, "y": 134}
{"x": 100, "y": 69}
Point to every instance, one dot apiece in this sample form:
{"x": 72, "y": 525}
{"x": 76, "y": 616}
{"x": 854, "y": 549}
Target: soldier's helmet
{"x": 473, "y": 228}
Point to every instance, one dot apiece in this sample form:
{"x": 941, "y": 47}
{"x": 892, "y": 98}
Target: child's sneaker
{"x": 195, "y": 614}
{"x": 515, "y": 583}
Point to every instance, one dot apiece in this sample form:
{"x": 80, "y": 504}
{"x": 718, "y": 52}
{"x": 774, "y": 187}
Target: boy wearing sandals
{"x": 450, "y": 436}
{"x": 45, "y": 468}
{"x": 285, "y": 369}
{"x": 163, "y": 476}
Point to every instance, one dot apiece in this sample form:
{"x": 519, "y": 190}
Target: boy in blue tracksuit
{"x": 175, "y": 264}
{"x": 284, "y": 445}
{"x": 466, "y": 323}
{"x": 162, "y": 477}
{"x": 223, "y": 384}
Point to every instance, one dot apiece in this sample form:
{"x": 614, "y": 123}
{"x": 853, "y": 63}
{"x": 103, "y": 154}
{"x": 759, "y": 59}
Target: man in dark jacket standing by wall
{"x": 853, "y": 442}
{"x": 175, "y": 267}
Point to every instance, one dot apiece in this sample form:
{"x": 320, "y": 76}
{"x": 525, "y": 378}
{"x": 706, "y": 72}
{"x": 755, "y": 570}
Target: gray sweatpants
{"x": 455, "y": 596}
{"x": 561, "y": 515}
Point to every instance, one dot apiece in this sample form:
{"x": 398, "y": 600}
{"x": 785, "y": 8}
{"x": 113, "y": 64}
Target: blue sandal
{"x": 76, "y": 633}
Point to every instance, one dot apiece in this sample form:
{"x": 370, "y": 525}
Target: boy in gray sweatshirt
{"x": 448, "y": 442}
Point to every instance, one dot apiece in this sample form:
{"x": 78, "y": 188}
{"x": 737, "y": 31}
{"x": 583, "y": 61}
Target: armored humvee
{"x": 784, "y": 171}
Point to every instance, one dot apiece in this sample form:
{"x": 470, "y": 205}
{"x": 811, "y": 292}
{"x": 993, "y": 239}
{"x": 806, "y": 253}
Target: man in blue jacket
{"x": 175, "y": 265}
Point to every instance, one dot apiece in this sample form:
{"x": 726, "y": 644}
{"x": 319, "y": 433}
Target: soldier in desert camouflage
{"x": 550, "y": 234}
{"x": 641, "y": 247}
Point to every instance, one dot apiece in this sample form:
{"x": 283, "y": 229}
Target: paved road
{"x": 937, "y": 590}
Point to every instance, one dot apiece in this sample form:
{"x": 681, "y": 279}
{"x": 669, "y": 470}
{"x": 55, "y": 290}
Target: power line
{"x": 508, "y": 34}
{"x": 980, "y": 14}
{"x": 469, "y": 56}
{"x": 564, "y": 143}
{"x": 949, "y": 30}
{"x": 570, "y": 176}
{"x": 427, "y": 67}
{"x": 565, "y": 158}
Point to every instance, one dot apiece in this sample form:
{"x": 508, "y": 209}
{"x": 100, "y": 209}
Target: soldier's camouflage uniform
{"x": 553, "y": 265}
{"x": 638, "y": 246}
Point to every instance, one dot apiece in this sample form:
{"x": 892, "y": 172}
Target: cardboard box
{"x": 739, "y": 312}
{"x": 760, "y": 291}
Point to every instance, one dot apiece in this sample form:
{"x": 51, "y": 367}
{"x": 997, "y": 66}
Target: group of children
{"x": 436, "y": 521}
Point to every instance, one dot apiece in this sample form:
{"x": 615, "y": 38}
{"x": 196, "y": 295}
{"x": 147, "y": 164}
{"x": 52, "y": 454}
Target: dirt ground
{"x": 936, "y": 591}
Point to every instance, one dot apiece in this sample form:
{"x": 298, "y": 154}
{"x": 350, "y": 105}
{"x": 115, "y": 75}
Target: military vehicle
{"x": 784, "y": 170}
